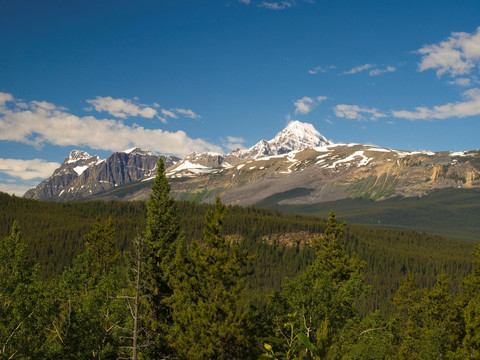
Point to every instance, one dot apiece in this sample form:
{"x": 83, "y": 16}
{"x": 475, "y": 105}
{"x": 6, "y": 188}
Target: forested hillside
{"x": 55, "y": 232}
{"x": 147, "y": 280}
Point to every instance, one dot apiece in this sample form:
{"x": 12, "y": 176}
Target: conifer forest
{"x": 177, "y": 280}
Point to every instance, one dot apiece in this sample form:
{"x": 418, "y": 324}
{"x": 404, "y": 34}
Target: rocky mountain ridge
{"x": 298, "y": 166}
{"x": 82, "y": 175}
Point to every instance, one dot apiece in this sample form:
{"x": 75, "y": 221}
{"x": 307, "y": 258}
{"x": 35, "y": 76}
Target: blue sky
{"x": 180, "y": 76}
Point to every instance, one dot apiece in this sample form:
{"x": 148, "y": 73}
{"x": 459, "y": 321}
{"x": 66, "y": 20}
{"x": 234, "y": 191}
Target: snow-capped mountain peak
{"x": 77, "y": 155}
{"x": 137, "y": 150}
{"x": 296, "y": 136}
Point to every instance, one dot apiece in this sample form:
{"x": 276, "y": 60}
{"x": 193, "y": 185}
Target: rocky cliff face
{"x": 82, "y": 175}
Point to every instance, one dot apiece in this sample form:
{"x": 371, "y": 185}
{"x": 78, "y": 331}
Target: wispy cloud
{"x": 374, "y": 70}
{"x": 460, "y": 109}
{"x": 17, "y": 189}
{"x": 319, "y": 69}
{"x": 356, "y": 112}
{"x": 457, "y": 55}
{"x": 169, "y": 113}
{"x": 244, "y": 1}
{"x": 121, "y": 108}
{"x": 234, "y": 143}
{"x": 27, "y": 169}
{"x": 188, "y": 113}
{"x": 43, "y": 122}
{"x": 307, "y": 104}
{"x": 277, "y": 5}
{"x": 379, "y": 71}
{"x": 466, "y": 82}
{"x": 358, "y": 69}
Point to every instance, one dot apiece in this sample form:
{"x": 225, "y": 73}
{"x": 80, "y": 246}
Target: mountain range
{"x": 298, "y": 166}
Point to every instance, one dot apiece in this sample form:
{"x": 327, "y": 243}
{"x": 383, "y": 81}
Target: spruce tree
{"x": 161, "y": 240}
{"x": 211, "y": 319}
{"x": 21, "y": 315}
{"x": 89, "y": 316}
{"x": 321, "y": 301}
{"x": 468, "y": 303}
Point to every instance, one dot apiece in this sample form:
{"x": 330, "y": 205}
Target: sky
{"x": 176, "y": 76}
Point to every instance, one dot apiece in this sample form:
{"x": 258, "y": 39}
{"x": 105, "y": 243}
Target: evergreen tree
{"x": 323, "y": 298}
{"x": 469, "y": 305}
{"x": 100, "y": 250}
{"x": 89, "y": 314}
{"x": 161, "y": 240}
{"x": 21, "y": 315}
{"x": 211, "y": 319}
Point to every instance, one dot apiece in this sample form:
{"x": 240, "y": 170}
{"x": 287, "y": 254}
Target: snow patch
{"x": 187, "y": 165}
{"x": 402, "y": 154}
{"x": 364, "y": 161}
{"x": 80, "y": 169}
{"x": 129, "y": 150}
{"x": 378, "y": 149}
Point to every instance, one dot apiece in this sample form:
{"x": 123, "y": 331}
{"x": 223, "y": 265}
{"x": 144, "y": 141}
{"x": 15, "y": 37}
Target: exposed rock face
{"x": 82, "y": 175}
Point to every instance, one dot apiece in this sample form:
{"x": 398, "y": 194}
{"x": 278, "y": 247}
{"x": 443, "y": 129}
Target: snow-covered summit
{"x": 296, "y": 136}
{"x": 77, "y": 155}
{"x": 137, "y": 150}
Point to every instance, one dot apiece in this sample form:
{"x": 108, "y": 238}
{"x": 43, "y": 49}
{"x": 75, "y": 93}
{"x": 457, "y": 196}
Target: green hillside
{"x": 450, "y": 212}
{"x": 55, "y": 232}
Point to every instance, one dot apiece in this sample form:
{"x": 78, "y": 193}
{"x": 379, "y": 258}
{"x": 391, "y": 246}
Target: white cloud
{"x": 470, "y": 107}
{"x": 27, "y": 169}
{"x": 244, "y": 1}
{"x": 280, "y": 5}
{"x": 48, "y": 123}
{"x": 188, "y": 113}
{"x": 4, "y": 97}
{"x": 307, "y": 104}
{"x": 376, "y": 72}
{"x": 356, "y": 112}
{"x": 358, "y": 69}
{"x": 457, "y": 55}
{"x": 234, "y": 143}
{"x": 461, "y": 82}
{"x": 121, "y": 108}
{"x": 17, "y": 189}
{"x": 235, "y": 139}
{"x": 169, "y": 114}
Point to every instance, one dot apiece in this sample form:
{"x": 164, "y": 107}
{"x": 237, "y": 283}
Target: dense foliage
{"x": 180, "y": 280}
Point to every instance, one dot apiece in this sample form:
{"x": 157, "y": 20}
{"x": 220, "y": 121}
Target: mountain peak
{"x": 296, "y": 136}
{"x": 77, "y": 155}
{"x": 137, "y": 150}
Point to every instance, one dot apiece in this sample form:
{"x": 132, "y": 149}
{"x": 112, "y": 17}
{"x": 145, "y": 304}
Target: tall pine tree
{"x": 161, "y": 240}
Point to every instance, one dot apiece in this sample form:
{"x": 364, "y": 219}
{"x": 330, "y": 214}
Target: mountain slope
{"x": 299, "y": 166}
